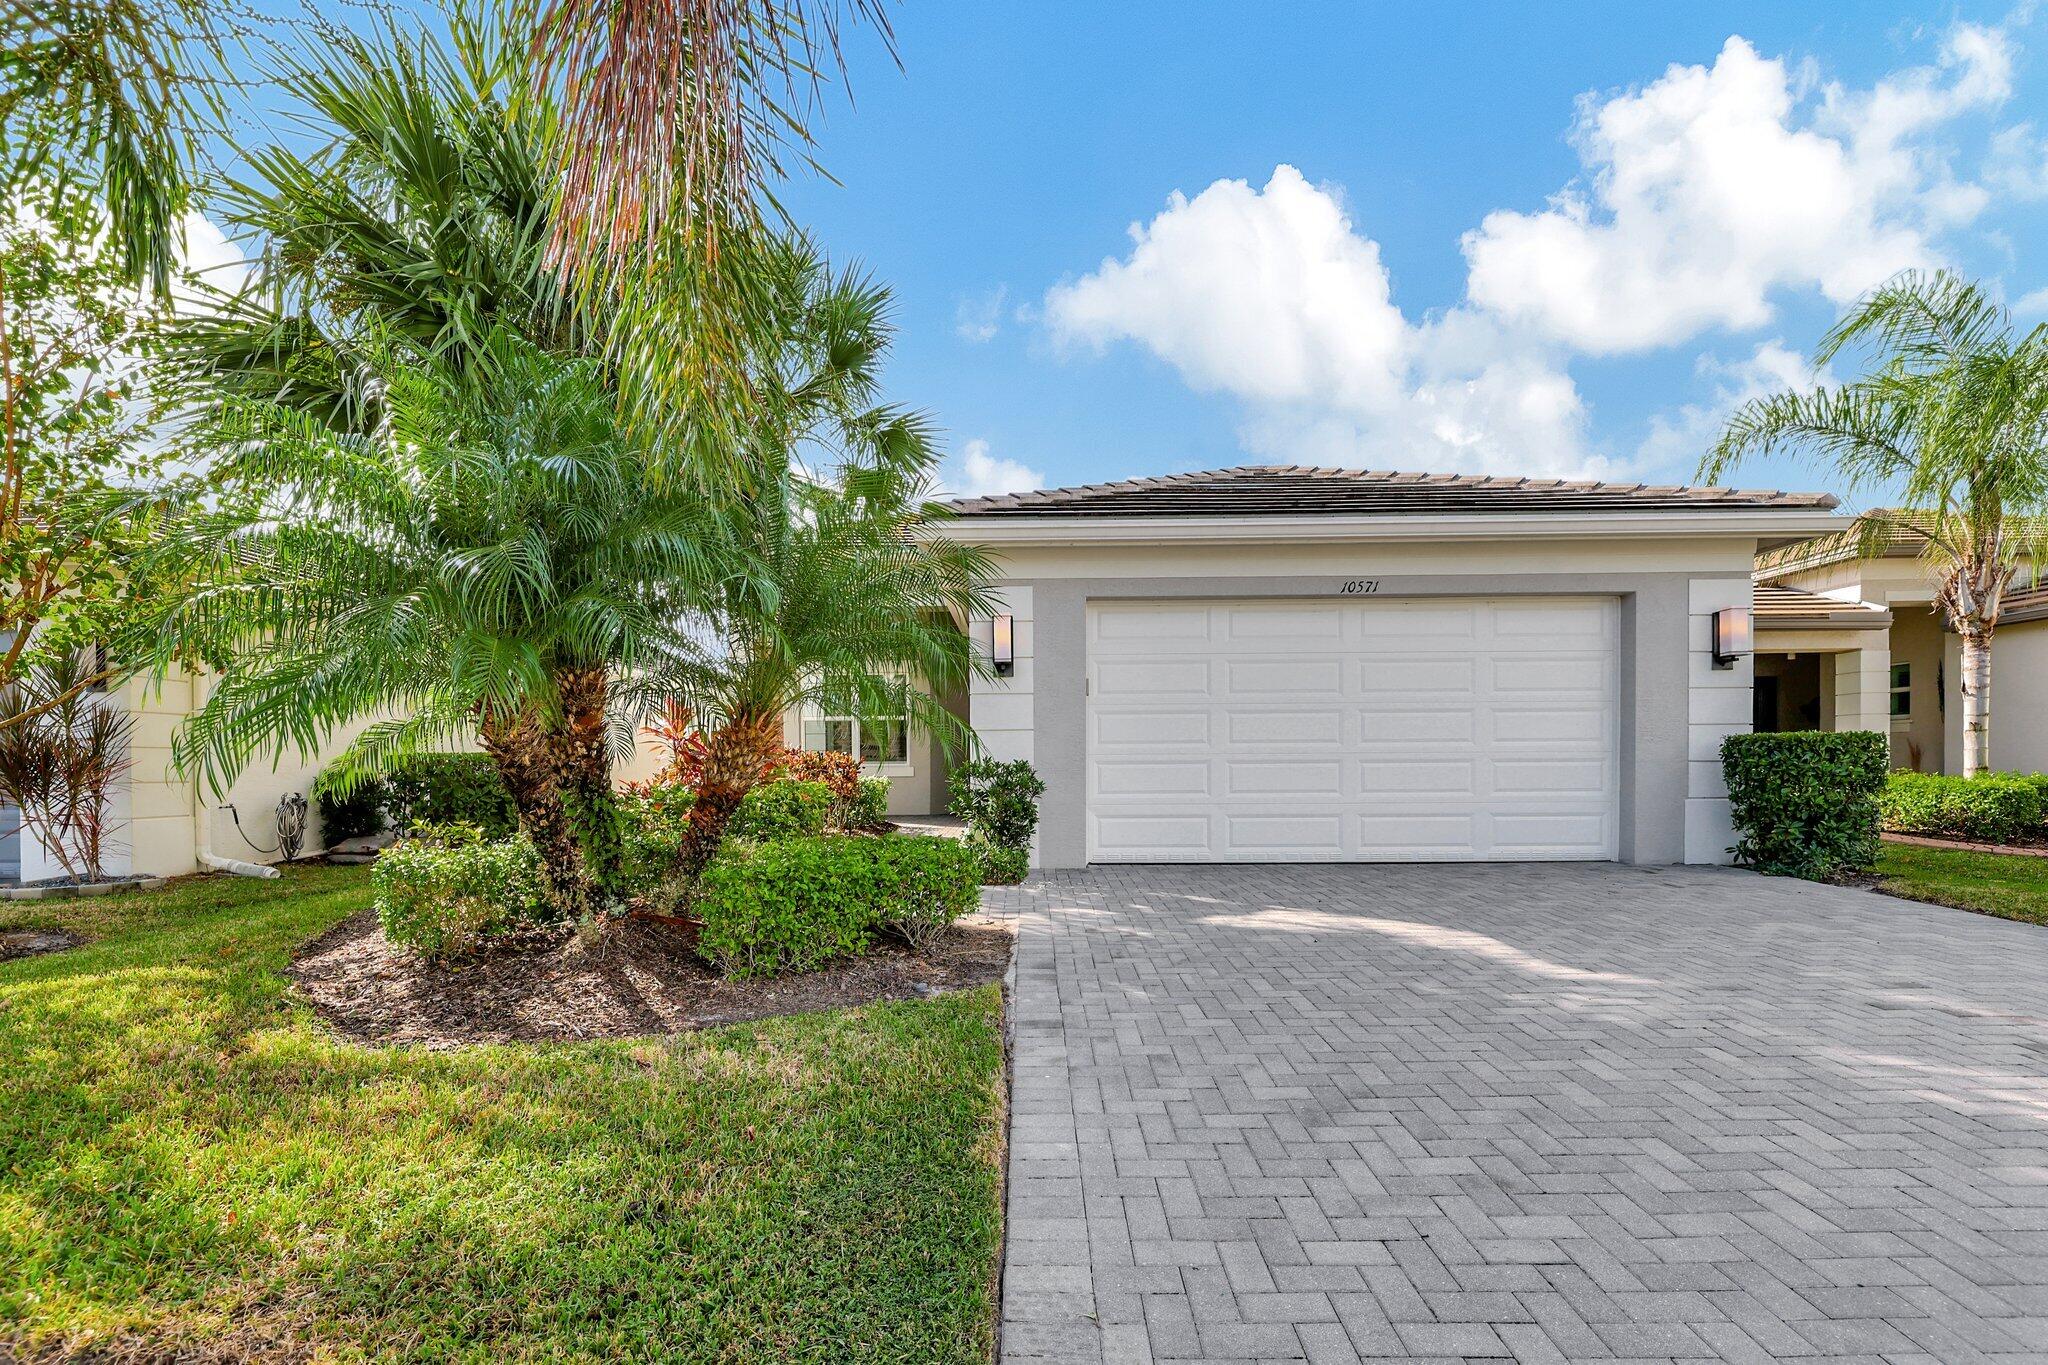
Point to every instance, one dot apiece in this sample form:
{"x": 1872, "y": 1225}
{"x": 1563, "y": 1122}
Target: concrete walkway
{"x": 1533, "y": 1113}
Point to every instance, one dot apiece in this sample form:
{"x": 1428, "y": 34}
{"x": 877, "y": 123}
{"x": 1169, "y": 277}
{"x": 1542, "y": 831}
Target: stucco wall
{"x": 2019, "y": 699}
{"x": 1676, "y": 707}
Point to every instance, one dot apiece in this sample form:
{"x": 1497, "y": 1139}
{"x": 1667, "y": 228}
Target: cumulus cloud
{"x": 1708, "y": 192}
{"x": 1712, "y": 187}
{"x": 977, "y": 474}
{"x": 977, "y": 318}
{"x": 1679, "y": 438}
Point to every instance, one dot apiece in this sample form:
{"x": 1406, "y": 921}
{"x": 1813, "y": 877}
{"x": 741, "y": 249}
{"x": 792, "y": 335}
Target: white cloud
{"x": 977, "y": 318}
{"x": 1267, "y": 294}
{"x": 1712, "y": 187}
{"x": 1709, "y": 191}
{"x": 1679, "y": 438}
{"x": 2032, "y": 305}
{"x": 978, "y": 474}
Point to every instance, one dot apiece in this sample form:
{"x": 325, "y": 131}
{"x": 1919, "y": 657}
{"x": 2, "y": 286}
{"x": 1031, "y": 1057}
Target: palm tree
{"x": 677, "y": 111}
{"x": 837, "y": 595}
{"x": 127, "y": 85}
{"x": 489, "y": 560}
{"x": 1953, "y": 416}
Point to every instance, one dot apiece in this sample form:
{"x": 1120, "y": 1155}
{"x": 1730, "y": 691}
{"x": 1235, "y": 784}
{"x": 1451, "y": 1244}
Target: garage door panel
{"x": 1189, "y": 778}
{"x": 1432, "y": 777}
{"x": 1252, "y": 678}
{"x": 1285, "y": 731}
{"x": 1260, "y": 728}
{"x": 1283, "y": 836}
{"x": 1139, "y": 728}
{"x": 1421, "y": 679}
{"x": 1285, "y": 778}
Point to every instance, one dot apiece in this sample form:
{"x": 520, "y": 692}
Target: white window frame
{"x": 1894, "y": 689}
{"x": 815, "y": 731}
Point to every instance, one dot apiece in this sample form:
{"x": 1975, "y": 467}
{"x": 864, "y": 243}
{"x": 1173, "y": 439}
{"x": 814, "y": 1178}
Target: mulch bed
{"x": 16, "y": 943}
{"x": 631, "y": 979}
{"x": 2030, "y": 849}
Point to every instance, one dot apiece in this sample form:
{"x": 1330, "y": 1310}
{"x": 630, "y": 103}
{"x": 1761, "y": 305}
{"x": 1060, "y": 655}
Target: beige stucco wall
{"x": 2019, "y": 699}
{"x": 1917, "y": 640}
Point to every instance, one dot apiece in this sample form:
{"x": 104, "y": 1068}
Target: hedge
{"x": 1805, "y": 804}
{"x": 359, "y": 813}
{"x": 795, "y": 904}
{"x": 1991, "y": 807}
{"x": 784, "y": 809}
{"x": 450, "y": 789}
{"x": 443, "y": 893}
{"x": 999, "y": 801}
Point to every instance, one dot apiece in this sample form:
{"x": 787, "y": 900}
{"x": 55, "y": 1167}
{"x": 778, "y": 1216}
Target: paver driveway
{"x": 1530, "y": 1112}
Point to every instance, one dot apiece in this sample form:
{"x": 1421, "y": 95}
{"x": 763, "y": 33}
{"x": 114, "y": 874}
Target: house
{"x": 1850, "y": 640}
{"x": 1280, "y": 663}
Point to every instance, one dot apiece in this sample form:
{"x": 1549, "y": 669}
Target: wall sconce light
{"x": 1733, "y": 636}
{"x": 1002, "y": 644}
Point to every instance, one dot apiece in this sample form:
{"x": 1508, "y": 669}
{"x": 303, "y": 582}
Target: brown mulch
{"x": 629, "y": 979}
{"x": 16, "y": 943}
{"x": 2030, "y": 848}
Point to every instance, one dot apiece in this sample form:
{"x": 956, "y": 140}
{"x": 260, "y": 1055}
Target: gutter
{"x": 1028, "y": 529}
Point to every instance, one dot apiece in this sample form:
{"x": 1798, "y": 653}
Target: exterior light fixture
{"x": 1002, "y": 644}
{"x": 1734, "y": 636}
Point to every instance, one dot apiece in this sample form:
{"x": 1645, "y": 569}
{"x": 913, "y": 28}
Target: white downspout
{"x": 202, "y": 844}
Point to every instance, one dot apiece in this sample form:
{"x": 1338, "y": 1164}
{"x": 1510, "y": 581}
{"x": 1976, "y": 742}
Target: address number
{"x": 1355, "y": 586}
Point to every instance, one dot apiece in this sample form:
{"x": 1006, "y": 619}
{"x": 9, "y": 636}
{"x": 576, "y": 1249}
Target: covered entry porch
{"x": 1821, "y": 663}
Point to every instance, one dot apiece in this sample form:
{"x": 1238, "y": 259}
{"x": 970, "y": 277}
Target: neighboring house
{"x": 1268, "y": 663}
{"x": 1849, "y": 641}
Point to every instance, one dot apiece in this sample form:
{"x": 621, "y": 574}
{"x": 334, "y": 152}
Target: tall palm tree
{"x": 1952, "y": 417}
{"x": 124, "y": 85}
{"x": 836, "y": 592}
{"x": 490, "y": 560}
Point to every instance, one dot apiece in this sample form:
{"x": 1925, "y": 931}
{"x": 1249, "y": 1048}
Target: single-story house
{"x": 1288, "y": 664}
{"x": 1292, "y": 664}
{"x": 1849, "y": 640}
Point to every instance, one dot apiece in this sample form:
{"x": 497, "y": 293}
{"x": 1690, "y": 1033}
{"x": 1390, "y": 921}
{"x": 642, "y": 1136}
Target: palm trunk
{"x": 1976, "y": 698}
{"x": 583, "y": 769}
{"x": 520, "y": 751}
{"x": 734, "y": 760}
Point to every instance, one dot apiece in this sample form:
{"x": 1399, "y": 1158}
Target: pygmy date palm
{"x": 1952, "y": 419}
{"x": 489, "y": 560}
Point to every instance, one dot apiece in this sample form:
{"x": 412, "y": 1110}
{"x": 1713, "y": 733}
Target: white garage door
{"x": 1422, "y": 729}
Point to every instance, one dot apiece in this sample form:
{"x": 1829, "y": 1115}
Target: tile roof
{"x": 1781, "y": 608}
{"x": 1296, "y": 490}
{"x": 2025, "y": 604}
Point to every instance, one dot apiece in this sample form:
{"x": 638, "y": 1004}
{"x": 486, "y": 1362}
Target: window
{"x": 885, "y": 740}
{"x": 1902, "y": 689}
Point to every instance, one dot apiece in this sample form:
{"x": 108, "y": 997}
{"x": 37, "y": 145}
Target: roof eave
{"x": 1771, "y": 526}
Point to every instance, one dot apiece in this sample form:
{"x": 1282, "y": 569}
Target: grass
{"x": 2007, "y": 885}
{"x": 188, "y": 1161}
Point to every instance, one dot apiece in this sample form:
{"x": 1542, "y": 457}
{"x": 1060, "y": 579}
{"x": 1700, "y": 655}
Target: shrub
{"x": 840, "y": 772}
{"x": 795, "y": 904}
{"x": 999, "y": 801}
{"x": 869, "y": 808}
{"x": 446, "y": 890}
{"x": 655, "y": 818}
{"x": 782, "y": 810}
{"x": 444, "y": 789}
{"x": 1992, "y": 807}
{"x": 1001, "y": 866}
{"x": 1805, "y": 803}
{"x": 352, "y": 816}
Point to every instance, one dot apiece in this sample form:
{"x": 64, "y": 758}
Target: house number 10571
{"x": 1360, "y": 585}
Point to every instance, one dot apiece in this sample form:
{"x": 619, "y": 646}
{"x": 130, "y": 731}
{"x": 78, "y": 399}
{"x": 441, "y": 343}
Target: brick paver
{"x": 1531, "y": 1113}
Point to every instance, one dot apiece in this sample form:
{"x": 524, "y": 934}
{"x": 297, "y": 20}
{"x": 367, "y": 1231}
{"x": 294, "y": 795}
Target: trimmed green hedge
{"x": 444, "y": 893}
{"x": 450, "y": 789}
{"x": 1990, "y": 808}
{"x": 795, "y": 904}
{"x": 999, "y": 801}
{"x": 1001, "y": 866}
{"x": 1805, "y": 804}
{"x": 786, "y": 809}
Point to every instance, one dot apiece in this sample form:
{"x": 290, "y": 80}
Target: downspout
{"x": 202, "y": 845}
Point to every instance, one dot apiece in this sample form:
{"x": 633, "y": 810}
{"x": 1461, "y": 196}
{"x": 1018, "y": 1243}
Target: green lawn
{"x": 186, "y": 1158}
{"x": 2002, "y": 884}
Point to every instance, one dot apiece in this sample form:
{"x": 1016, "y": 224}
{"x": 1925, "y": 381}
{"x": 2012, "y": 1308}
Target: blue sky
{"x": 1510, "y": 238}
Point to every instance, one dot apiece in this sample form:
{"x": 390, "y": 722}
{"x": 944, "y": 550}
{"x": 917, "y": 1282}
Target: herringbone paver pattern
{"x": 1532, "y": 1113}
